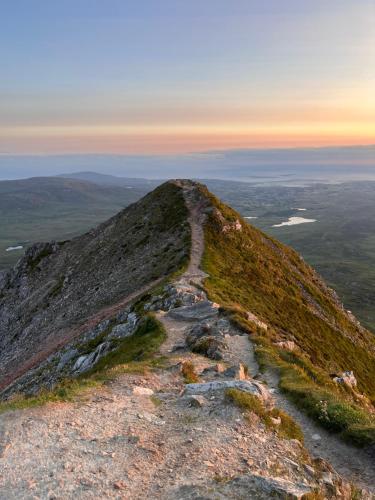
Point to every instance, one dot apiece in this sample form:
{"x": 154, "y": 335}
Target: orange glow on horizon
{"x": 170, "y": 142}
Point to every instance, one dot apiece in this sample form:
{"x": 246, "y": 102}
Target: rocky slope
{"x": 158, "y": 389}
{"x": 59, "y": 287}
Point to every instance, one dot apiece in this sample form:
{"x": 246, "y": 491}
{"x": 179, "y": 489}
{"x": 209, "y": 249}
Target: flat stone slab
{"x": 202, "y": 310}
{"x": 221, "y": 385}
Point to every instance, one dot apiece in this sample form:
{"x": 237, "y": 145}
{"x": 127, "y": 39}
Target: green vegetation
{"x": 188, "y": 372}
{"x": 340, "y": 245}
{"x": 249, "y": 271}
{"x": 135, "y": 354}
{"x": 287, "y": 428}
{"x": 137, "y": 348}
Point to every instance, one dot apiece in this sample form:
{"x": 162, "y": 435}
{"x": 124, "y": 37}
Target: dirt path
{"x": 347, "y": 460}
{"x": 241, "y": 350}
{"x": 117, "y": 444}
{"x": 196, "y": 219}
{"x": 352, "y": 463}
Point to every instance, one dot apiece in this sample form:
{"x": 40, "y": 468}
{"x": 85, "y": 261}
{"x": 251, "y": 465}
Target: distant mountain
{"x": 112, "y": 180}
{"x": 44, "y": 192}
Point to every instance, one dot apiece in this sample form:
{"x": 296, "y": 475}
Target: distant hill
{"x": 48, "y": 191}
{"x": 45, "y": 208}
{"x": 112, "y": 180}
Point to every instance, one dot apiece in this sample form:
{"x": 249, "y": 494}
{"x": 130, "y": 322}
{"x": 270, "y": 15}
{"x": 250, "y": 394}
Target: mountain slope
{"x": 57, "y": 286}
{"x": 190, "y": 404}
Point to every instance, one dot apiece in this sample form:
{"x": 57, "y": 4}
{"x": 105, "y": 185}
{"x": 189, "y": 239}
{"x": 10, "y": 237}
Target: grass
{"x": 287, "y": 429}
{"x": 135, "y": 354}
{"x": 188, "y": 372}
{"x": 249, "y": 271}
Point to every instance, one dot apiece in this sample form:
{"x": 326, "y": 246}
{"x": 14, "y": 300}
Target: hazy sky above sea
{"x": 177, "y": 76}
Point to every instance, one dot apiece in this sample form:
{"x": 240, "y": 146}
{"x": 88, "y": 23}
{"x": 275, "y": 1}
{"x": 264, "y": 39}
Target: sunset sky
{"x": 176, "y": 76}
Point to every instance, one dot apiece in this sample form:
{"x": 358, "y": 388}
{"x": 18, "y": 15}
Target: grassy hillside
{"x": 250, "y": 271}
{"x": 340, "y": 245}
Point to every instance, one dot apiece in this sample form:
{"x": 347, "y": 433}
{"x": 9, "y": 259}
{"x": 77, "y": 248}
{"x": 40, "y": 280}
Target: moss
{"x": 156, "y": 401}
{"x": 313, "y": 495}
{"x": 67, "y": 390}
{"x": 288, "y": 428}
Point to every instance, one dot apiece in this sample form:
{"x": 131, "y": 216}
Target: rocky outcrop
{"x": 251, "y": 387}
{"x": 200, "y": 311}
{"x": 347, "y": 378}
{"x": 78, "y": 356}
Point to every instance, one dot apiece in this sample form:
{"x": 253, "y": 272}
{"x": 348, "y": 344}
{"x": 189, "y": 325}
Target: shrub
{"x": 188, "y": 372}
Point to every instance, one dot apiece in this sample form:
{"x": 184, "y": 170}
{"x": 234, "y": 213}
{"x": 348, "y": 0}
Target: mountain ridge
{"x": 230, "y": 331}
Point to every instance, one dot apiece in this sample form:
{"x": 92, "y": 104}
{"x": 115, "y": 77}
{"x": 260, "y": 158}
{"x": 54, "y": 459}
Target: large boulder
{"x": 200, "y": 311}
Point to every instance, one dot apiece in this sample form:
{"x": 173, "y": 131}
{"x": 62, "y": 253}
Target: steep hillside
{"x": 168, "y": 377}
{"x": 304, "y": 329}
{"x": 57, "y": 286}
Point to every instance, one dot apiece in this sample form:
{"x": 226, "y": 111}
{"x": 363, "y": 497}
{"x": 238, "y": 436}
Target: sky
{"x": 160, "y": 77}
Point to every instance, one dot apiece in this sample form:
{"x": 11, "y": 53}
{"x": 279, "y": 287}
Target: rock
{"x": 316, "y": 437}
{"x": 119, "y": 485}
{"x": 122, "y": 316}
{"x": 197, "y": 401}
{"x": 276, "y": 421}
{"x": 249, "y": 486}
{"x": 221, "y": 385}
{"x": 310, "y": 470}
{"x": 142, "y": 391}
{"x": 251, "y": 317}
{"x": 322, "y": 465}
{"x": 66, "y": 357}
{"x": 197, "y": 312}
{"x": 87, "y": 361}
{"x": 288, "y": 345}
{"x": 205, "y": 338}
{"x": 237, "y": 372}
{"x": 218, "y": 368}
{"x": 346, "y": 378}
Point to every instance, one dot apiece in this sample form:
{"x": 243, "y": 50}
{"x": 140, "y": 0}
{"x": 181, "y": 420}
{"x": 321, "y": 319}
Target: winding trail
{"x": 352, "y": 463}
